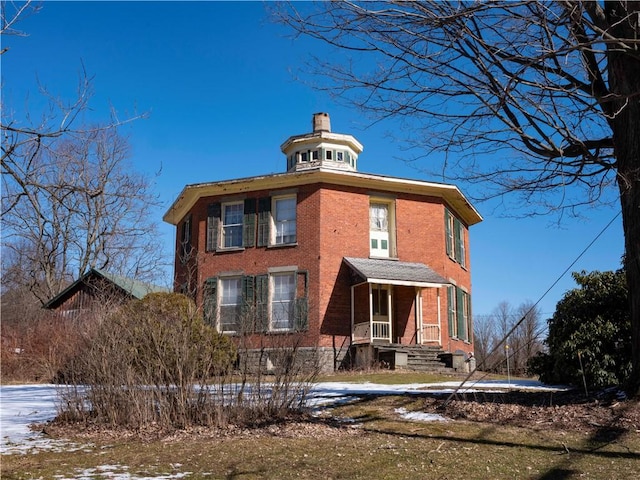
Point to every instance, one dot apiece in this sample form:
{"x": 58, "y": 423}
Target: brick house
{"x": 352, "y": 264}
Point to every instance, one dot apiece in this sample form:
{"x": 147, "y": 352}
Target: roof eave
{"x": 450, "y": 193}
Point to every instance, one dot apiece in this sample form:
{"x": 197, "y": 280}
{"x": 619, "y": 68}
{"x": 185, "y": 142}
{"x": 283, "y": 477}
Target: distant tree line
{"x": 493, "y": 345}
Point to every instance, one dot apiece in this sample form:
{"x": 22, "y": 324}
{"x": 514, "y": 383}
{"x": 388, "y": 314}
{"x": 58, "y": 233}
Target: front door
{"x": 380, "y": 310}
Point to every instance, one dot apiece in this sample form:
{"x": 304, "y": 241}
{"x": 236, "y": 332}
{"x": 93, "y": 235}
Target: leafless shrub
{"x": 156, "y": 362}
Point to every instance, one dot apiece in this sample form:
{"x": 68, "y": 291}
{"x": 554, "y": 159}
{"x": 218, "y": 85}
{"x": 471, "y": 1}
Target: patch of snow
{"x": 23, "y": 405}
{"x": 118, "y": 472}
{"x": 420, "y": 416}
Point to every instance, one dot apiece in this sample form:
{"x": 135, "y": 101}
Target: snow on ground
{"x": 23, "y": 405}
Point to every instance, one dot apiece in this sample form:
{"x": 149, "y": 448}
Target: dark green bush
{"x": 589, "y": 334}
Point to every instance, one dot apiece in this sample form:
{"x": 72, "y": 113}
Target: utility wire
{"x": 517, "y": 324}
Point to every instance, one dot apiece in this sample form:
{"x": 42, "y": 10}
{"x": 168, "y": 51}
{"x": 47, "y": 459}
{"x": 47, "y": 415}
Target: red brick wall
{"x": 332, "y": 223}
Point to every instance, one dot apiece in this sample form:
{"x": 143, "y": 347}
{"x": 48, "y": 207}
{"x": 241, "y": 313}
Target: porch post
{"x": 370, "y": 312}
{"x": 419, "y": 319}
{"x": 439, "y": 323}
{"x": 390, "y": 312}
{"x": 352, "y": 312}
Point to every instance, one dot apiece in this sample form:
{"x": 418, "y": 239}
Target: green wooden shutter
{"x": 249, "y": 223}
{"x": 247, "y": 309}
{"x": 469, "y": 318}
{"x": 462, "y": 324}
{"x": 301, "y": 319}
{"x": 451, "y": 302}
{"x": 213, "y": 223}
{"x": 264, "y": 221}
{"x": 210, "y": 300}
{"x": 458, "y": 246}
{"x": 447, "y": 231}
{"x": 262, "y": 303}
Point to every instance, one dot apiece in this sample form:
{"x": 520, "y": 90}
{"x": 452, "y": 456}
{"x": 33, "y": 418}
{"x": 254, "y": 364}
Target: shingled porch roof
{"x": 393, "y": 272}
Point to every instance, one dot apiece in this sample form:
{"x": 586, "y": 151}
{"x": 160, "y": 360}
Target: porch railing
{"x": 381, "y": 331}
{"x": 363, "y": 333}
{"x": 431, "y": 333}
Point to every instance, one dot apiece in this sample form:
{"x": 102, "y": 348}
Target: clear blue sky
{"x": 218, "y": 80}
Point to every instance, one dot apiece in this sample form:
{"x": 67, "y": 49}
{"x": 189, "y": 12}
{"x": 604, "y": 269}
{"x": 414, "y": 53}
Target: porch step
{"x": 421, "y": 358}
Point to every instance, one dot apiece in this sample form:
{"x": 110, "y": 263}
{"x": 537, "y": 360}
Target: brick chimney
{"x": 321, "y": 122}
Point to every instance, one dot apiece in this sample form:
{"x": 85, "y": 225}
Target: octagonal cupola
{"x": 321, "y": 148}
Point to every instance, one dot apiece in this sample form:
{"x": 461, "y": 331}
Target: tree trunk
{"x": 624, "y": 84}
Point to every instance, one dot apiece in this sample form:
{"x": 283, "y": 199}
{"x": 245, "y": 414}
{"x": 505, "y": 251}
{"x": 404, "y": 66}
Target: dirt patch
{"x": 299, "y": 427}
{"x": 602, "y": 416}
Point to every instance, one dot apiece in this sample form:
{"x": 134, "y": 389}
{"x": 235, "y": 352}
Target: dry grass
{"x": 371, "y": 441}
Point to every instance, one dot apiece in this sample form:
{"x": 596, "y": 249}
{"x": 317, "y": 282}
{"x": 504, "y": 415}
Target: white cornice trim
{"x": 450, "y": 193}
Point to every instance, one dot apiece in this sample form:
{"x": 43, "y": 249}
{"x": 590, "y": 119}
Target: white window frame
{"x": 276, "y": 298}
{"x": 278, "y": 226}
{"x": 380, "y": 235}
{"x": 224, "y": 225}
{"x": 224, "y": 302}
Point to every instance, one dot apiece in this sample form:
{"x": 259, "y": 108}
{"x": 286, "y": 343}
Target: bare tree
{"x": 530, "y": 334}
{"x": 516, "y": 332}
{"x": 549, "y": 90}
{"x": 484, "y": 338}
{"x": 74, "y": 205}
{"x": 70, "y": 199}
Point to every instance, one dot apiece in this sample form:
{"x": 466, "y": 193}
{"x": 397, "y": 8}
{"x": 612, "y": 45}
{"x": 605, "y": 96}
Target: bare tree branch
{"x": 533, "y": 98}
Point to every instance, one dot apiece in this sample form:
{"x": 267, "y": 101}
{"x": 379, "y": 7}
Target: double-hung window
{"x": 284, "y": 220}
{"x": 230, "y": 304}
{"x": 232, "y": 216}
{"x": 283, "y": 295}
{"x": 231, "y": 225}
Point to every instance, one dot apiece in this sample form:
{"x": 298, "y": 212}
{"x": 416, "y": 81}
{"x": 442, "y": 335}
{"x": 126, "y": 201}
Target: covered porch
{"x": 388, "y": 302}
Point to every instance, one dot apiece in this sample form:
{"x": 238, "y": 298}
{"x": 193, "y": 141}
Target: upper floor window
{"x": 454, "y": 238}
{"x": 284, "y": 220}
{"x": 231, "y": 225}
{"x": 381, "y": 231}
{"x": 232, "y": 217}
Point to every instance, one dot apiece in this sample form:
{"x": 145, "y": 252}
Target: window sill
{"x": 229, "y": 249}
{"x": 283, "y": 245}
